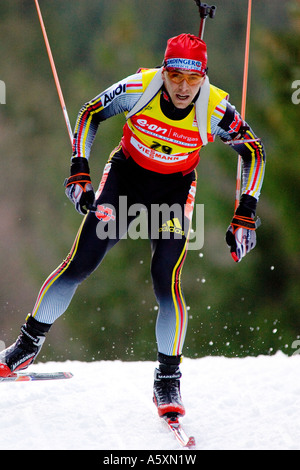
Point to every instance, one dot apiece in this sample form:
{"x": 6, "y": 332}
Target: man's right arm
{"x": 118, "y": 98}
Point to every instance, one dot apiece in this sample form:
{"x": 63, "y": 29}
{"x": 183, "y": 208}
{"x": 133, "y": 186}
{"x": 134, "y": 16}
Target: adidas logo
{"x": 172, "y": 226}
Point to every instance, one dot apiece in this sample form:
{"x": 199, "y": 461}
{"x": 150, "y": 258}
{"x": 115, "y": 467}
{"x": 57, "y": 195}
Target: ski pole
{"x": 244, "y": 99}
{"x": 205, "y": 11}
{"x": 58, "y": 87}
{"x": 90, "y": 207}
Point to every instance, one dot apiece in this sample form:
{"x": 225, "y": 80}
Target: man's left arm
{"x": 241, "y": 235}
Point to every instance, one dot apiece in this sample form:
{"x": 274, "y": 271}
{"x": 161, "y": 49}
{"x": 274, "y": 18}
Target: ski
{"x": 31, "y": 376}
{"x": 177, "y": 430}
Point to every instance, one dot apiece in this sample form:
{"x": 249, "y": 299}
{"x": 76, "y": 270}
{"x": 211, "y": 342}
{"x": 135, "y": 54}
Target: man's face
{"x": 182, "y": 86}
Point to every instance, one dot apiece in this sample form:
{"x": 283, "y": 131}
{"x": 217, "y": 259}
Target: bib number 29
{"x": 161, "y": 148}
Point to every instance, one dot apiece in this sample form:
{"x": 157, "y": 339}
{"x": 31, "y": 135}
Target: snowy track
{"x": 251, "y": 403}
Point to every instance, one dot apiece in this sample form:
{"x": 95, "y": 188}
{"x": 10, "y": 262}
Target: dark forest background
{"x": 243, "y": 309}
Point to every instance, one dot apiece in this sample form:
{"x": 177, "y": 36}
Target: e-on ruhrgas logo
{"x": 2, "y": 92}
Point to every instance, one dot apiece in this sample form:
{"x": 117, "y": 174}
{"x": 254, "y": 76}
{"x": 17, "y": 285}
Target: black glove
{"x": 78, "y": 186}
{"x": 241, "y": 235}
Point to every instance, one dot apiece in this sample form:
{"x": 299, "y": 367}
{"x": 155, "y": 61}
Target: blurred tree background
{"x": 249, "y": 308}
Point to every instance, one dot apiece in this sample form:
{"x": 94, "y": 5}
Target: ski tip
{"x": 68, "y": 375}
{"x": 191, "y": 442}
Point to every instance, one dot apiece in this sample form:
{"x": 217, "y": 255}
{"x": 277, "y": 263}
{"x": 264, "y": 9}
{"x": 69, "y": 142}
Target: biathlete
{"x": 171, "y": 112}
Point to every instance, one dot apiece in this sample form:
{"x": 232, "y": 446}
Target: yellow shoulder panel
{"x": 147, "y": 75}
{"x": 215, "y": 97}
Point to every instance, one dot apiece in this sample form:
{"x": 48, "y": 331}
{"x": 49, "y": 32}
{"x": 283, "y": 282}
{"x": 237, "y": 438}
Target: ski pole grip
{"x": 212, "y": 11}
{"x": 205, "y": 11}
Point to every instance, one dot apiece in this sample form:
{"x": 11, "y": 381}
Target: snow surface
{"x": 232, "y": 404}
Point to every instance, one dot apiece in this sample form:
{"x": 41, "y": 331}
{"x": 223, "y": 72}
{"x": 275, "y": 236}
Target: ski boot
{"x": 166, "y": 390}
{"x": 23, "y": 352}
